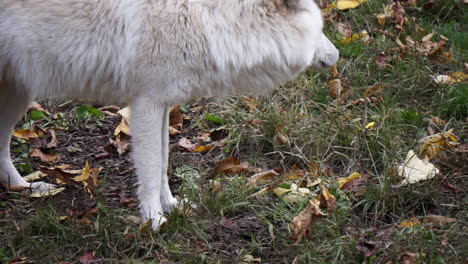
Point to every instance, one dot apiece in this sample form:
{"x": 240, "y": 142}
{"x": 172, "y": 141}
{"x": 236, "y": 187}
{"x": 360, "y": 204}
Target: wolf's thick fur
{"x": 149, "y": 54}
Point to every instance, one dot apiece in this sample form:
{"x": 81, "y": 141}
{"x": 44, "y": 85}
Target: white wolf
{"x": 149, "y": 54}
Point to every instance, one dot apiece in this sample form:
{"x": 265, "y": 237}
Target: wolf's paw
{"x": 168, "y": 203}
{"x": 43, "y": 186}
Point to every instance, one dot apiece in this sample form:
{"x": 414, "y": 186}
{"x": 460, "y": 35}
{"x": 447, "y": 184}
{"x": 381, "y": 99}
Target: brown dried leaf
{"x": 303, "y": 222}
{"x": 186, "y": 144}
{"x": 251, "y": 103}
{"x": 45, "y": 157}
{"x": 438, "y": 219}
{"x": 176, "y": 119}
{"x": 23, "y": 260}
{"x": 122, "y": 128}
{"x": 121, "y": 143}
{"x": 60, "y": 175}
{"x": 368, "y": 248}
{"x": 232, "y": 166}
{"x": 88, "y": 257}
{"x": 262, "y": 177}
{"x": 410, "y": 258}
{"x": 49, "y": 140}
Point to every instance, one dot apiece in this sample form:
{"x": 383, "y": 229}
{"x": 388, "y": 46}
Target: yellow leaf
{"x": 292, "y": 195}
{"x": 371, "y": 126}
{"x": 329, "y": 199}
{"x": 334, "y": 72}
{"x": 89, "y": 178}
{"x": 281, "y": 191}
{"x": 39, "y": 194}
{"x": 358, "y": 36}
{"x": 434, "y": 144}
{"x": 203, "y": 148}
{"x": 349, "y": 4}
{"x": 343, "y": 181}
{"x": 25, "y": 134}
{"x": 409, "y": 223}
{"x": 415, "y": 169}
{"x": 381, "y": 18}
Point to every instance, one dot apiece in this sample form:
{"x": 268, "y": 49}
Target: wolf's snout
{"x": 327, "y": 54}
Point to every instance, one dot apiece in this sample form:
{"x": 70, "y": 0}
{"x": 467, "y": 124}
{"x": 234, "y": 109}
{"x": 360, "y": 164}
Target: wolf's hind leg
{"x": 12, "y": 105}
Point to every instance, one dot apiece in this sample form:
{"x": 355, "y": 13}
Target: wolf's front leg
{"x": 147, "y": 123}
{"x": 168, "y": 202}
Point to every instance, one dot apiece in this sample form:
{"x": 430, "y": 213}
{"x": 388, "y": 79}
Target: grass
{"x": 230, "y": 223}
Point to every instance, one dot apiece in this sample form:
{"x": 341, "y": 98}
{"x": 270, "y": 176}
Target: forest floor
{"x": 309, "y": 174}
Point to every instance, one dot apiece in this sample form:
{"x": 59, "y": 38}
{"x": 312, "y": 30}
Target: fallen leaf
{"x": 125, "y": 113}
{"x": 215, "y": 186}
{"x": 60, "y": 175}
{"x": 280, "y": 138}
{"x": 186, "y": 144}
{"x": 121, "y": 143}
{"x": 123, "y": 127}
{"x": 434, "y": 144}
{"x": 370, "y": 126}
{"x": 410, "y": 258}
{"x": 409, "y": 223}
{"x": 251, "y": 103}
{"x": 438, "y": 219}
{"x": 35, "y": 106}
{"x": 415, "y": 169}
{"x": 363, "y": 36}
{"x": 232, "y": 166}
{"x": 356, "y": 186}
{"x": 374, "y": 90}
{"x": 348, "y": 4}
{"x": 89, "y": 178}
{"x": 34, "y": 176}
{"x": 39, "y": 194}
{"x": 262, "y": 177}
{"x": 249, "y": 259}
{"x": 368, "y": 248}
{"x": 45, "y": 157}
{"x": 352, "y": 176}
{"x": 88, "y": 257}
{"x": 293, "y": 194}
{"x": 336, "y": 88}
{"x": 203, "y": 148}
{"x": 48, "y": 140}
{"x": 176, "y": 119}
{"x": 451, "y": 78}
{"x": 303, "y": 222}
{"x": 25, "y": 134}
{"x": 328, "y": 201}
{"x": 23, "y": 260}
{"x": 437, "y": 122}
